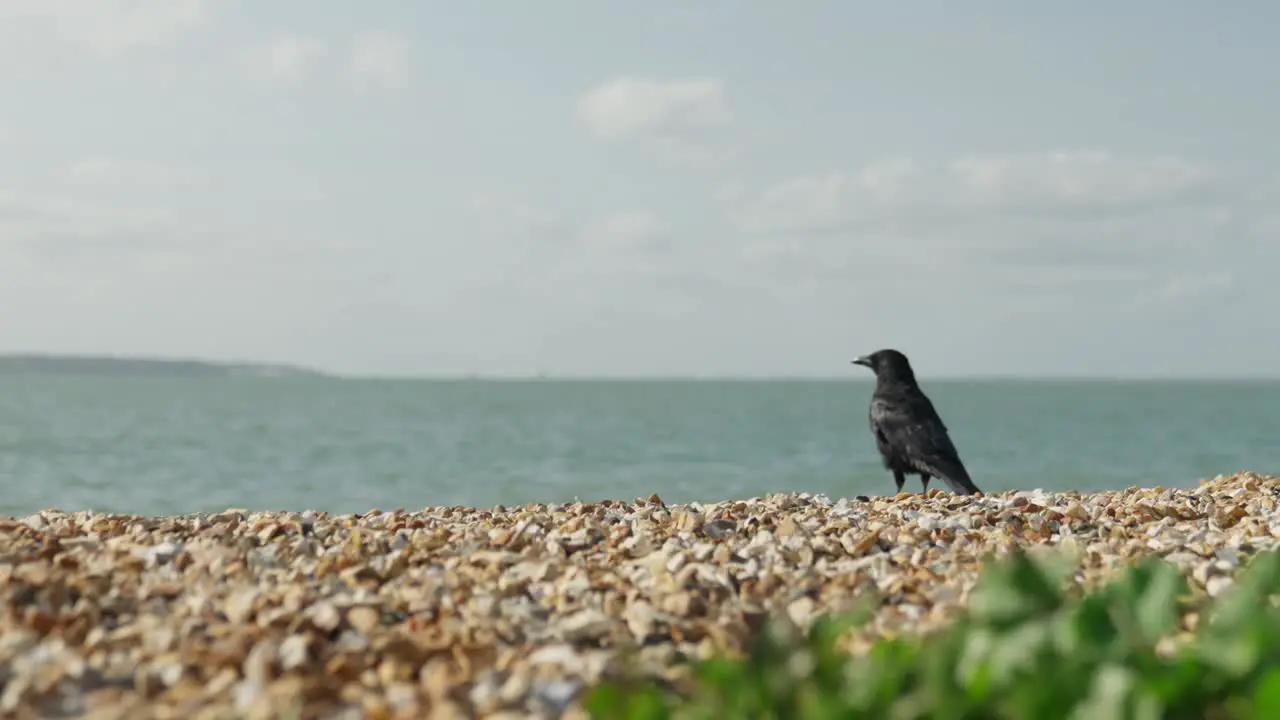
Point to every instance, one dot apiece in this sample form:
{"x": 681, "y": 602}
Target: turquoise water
{"x": 168, "y": 445}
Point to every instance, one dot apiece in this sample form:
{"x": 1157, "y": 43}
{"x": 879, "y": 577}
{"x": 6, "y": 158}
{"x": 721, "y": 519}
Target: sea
{"x": 168, "y": 445}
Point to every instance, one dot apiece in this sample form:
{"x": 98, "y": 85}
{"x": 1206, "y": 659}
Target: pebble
{"x": 512, "y": 612}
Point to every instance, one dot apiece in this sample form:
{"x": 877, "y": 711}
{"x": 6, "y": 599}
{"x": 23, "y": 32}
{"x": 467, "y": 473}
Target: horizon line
{"x": 605, "y": 377}
{"x": 549, "y": 377}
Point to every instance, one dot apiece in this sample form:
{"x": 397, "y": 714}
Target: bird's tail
{"x": 957, "y": 478}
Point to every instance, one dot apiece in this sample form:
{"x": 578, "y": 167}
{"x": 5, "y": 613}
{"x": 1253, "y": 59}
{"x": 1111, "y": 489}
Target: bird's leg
{"x": 924, "y": 483}
{"x": 899, "y": 479}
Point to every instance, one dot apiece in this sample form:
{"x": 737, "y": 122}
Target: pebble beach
{"x": 457, "y": 612}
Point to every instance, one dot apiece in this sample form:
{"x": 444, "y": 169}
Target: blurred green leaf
{"x": 1025, "y": 649}
{"x": 1088, "y": 628}
{"x": 1247, "y": 597}
{"x": 1266, "y": 698}
{"x": 1013, "y": 591}
{"x": 612, "y": 701}
{"x": 1147, "y": 596}
{"x": 1115, "y": 693}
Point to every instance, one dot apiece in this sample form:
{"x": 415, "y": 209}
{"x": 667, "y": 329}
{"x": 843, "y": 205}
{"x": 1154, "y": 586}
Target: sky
{"x": 662, "y": 188}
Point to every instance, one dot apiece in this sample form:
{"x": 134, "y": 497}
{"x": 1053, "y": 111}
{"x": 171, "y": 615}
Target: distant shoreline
{"x": 105, "y": 365}
{"x": 31, "y": 363}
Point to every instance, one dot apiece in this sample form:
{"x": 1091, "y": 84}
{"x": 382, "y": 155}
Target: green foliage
{"x": 1030, "y": 645}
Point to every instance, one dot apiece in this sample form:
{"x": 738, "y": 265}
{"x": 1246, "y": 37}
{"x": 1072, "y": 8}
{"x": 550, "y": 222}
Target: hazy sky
{"x": 582, "y": 187}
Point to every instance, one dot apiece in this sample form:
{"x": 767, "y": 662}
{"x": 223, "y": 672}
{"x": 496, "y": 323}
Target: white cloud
{"x": 1074, "y": 180}
{"x": 63, "y": 225}
{"x": 380, "y": 60}
{"x": 102, "y": 207}
{"x": 1190, "y": 285}
{"x": 107, "y": 28}
{"x": 625, "y": 231}
{"x": 285, "y": 60}
{"x": 503, "y": 213}
{"x": 629, "y": 106}
{"x": 904, "y": 190}
{"x": 1030, "y": 230}
{"x": 114, "y": 173}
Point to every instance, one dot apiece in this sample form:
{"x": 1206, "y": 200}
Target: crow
{"x": 909, "y": 434}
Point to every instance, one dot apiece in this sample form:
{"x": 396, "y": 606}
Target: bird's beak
{"x": 863, "y": 361}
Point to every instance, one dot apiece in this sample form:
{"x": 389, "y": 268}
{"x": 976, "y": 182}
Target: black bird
{"x": 909, "y": 434}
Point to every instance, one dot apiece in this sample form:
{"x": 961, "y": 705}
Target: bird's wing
{"x": 913, "y": 428}
{"x": 923, "y": 407}
{"x": 910, "y": 428}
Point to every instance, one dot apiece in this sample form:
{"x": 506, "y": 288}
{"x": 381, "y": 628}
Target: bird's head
{"x": 888, "y": 364}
